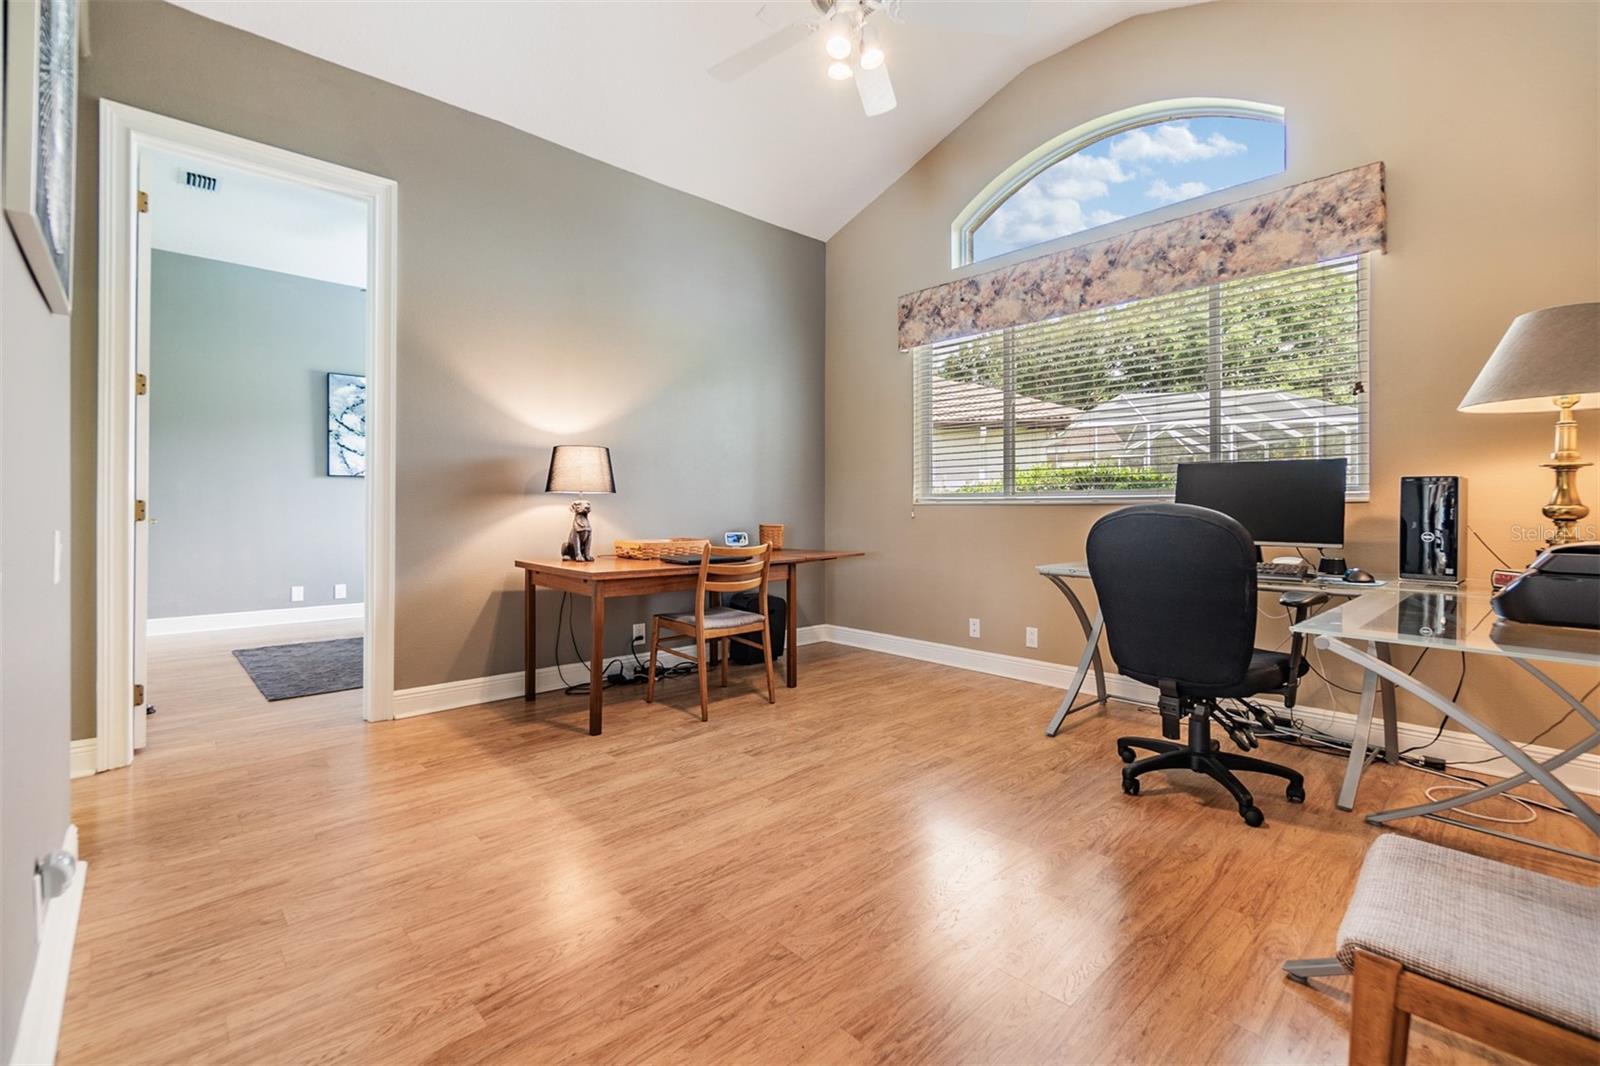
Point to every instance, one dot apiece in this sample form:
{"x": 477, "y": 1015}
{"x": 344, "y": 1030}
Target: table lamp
{"x": 580, "y": 468}
{"x": 1548, "y": 357}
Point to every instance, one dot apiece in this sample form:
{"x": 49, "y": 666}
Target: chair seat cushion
{"x": 716, "y": 618}
{"x": 1526, "y": 940}
{"x": 1268, "y": 671}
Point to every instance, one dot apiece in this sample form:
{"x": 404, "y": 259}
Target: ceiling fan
{"x": 852, "y": 36}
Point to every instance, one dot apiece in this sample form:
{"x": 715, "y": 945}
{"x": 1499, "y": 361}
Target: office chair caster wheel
{"x": 1126, "y": 754}
{"x": 1296, "y": 793}
{"x": 1252, "y": 817}
{"x": 1130, "y": 785}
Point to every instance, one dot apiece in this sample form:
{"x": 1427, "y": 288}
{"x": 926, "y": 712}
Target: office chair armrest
{"x": 1302, "y": 602}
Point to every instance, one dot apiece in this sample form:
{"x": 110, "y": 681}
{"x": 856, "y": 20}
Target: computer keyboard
{"x": 1283, "y": 571}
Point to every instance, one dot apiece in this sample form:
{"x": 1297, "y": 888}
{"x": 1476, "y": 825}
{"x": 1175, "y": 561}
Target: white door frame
{"x": 124, "y": 133}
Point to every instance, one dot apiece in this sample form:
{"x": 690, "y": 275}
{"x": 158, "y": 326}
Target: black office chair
{"x": 1177, "y": 589}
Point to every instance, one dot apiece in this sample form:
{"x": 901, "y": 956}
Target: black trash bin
{"x": 778, "y": 619}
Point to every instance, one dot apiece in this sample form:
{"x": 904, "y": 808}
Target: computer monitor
{"x": 1280, "y": 501}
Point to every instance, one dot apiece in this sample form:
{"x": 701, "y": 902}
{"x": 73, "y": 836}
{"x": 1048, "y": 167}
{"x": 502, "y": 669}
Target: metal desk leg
{"x": 1303, "y": 969}
{"x": 1090, "y": 660}
{"x": 1090, "y": 655}
{"x": 1429, "y": 810}
{"x": 1505, "y": 784}
{"x": 1534, "y": 771}
{"x": 1358, "y": 741}
{"x": 1391, "y": 721}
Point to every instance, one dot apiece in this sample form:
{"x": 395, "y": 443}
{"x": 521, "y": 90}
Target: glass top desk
{"x": 1362, "y": 629}
{"x": 1454, "y": 621}
{"x": 1090, "y": 665}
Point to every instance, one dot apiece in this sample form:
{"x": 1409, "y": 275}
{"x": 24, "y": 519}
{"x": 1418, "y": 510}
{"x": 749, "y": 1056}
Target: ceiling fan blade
{"x": 877, "y": 93}
{"x": 1006, "y": 18}
{"x": 770, "y": 47}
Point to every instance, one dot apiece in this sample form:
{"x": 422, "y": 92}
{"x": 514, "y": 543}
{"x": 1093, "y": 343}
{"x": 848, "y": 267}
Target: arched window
{"x": 1121, "y": 165}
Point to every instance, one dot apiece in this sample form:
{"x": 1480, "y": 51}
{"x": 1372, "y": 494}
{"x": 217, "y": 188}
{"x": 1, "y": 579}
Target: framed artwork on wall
{"x": 41, "y": 111}
{"x": 347, "y": 425}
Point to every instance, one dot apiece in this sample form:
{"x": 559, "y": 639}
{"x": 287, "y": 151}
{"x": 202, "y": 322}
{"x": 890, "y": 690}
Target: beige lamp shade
{"x": 580, "y": 468}
{"x": 1545, "y": 354}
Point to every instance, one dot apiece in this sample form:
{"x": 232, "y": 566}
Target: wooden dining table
{"x": 609, "y": 578}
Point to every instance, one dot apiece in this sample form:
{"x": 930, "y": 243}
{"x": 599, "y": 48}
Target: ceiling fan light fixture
{"x": 839, "y": 70}
{"x": 838, "y": 43}
{"x": 871, "y": 49}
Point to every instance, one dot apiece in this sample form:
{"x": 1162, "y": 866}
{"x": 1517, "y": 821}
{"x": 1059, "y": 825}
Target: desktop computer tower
{"x": 1432, "y": 521}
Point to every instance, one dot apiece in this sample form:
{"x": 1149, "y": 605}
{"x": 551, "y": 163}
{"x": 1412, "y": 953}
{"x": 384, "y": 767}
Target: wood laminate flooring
{"x": 892, "y": 864}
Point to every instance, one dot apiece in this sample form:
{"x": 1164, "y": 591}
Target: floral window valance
{"x": 1314, "y": 221}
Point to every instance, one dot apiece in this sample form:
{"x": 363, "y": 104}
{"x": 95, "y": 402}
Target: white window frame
{"x": 1019, "y": 174}
{"x": 922, "y": 426}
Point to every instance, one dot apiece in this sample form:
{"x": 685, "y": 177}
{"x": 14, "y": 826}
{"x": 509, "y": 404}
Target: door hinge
{"x": 144, "y": 202}
{"x": 138, "y": 695}
{"x": 141, "y": 384}
{"x": 138, "y": 510}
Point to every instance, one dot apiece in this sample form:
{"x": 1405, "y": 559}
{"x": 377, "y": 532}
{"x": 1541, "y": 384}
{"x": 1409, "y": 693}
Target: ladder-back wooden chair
{"x": 711, "y": 623}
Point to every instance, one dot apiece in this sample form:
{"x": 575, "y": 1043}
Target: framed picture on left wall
{"x": 347, "y": 425}
{"x": 41, "y": 109}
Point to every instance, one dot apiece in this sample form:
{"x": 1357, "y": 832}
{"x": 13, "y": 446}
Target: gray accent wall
{"x": 34, "y": 612}
{"x": 240, "y": 497}
{"x": 544, "y": 298}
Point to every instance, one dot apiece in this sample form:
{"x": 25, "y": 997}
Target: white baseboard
{"x": 39, "y": 1026}
{"x": 209, "y": 623}
{"x": 1454, "y": 746}
{"x": 83, "y": 752}
{"x": 430, "y": 699}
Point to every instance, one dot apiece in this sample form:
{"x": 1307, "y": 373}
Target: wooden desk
{"x": 608, "y": 578}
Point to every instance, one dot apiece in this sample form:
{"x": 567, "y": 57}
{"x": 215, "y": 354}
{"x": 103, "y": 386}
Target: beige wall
{"x": 1486, "y": 116}
{"x": 544, "y": 298}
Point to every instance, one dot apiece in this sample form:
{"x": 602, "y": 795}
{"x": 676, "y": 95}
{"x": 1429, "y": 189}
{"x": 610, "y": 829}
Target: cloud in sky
{"x": 1033, "y": 215}
{"x": 1122, "y": 176}
{"x": 1083, "y": 177}
{"x": 1163, "y": 193}
{"x": 1170, "y": 142}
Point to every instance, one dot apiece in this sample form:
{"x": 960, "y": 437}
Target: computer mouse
{"x": 1357, "y": 576}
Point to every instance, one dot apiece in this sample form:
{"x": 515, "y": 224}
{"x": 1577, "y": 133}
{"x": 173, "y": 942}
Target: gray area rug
{"x": 285, "y": 671}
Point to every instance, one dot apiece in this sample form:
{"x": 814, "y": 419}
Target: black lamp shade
{"x": 580, "y": 468}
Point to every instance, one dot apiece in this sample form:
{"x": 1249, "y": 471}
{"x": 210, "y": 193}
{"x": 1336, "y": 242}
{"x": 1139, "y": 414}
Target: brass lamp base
{"x": 1564, "y": 508}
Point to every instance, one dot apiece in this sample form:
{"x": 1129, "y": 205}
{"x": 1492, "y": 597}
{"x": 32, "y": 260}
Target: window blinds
{"x": 1104, "y": 404}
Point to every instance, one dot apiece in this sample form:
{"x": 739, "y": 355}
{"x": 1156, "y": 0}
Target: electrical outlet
{"x": 341, "y": 591}
{"x": 638, "y": 631}
{"x": 297, "y": 593}
{"x": 973, "y": 628}
{"x": 1030, "y": 636}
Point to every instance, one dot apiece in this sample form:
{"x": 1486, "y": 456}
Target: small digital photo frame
{"x": 736, "y": 540}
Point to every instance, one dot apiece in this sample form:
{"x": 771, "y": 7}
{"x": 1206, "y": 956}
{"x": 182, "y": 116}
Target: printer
{"x": 1561, "y": 588}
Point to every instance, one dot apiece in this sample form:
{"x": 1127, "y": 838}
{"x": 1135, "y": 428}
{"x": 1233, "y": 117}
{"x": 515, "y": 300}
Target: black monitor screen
{"x": 1280, "y": 501}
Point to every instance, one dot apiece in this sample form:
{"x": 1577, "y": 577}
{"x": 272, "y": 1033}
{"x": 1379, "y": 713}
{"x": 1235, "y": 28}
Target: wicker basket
{"x": 659, "y": 549}
{"x": 771, "y": 533}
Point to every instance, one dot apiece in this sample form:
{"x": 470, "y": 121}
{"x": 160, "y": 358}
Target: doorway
{"x": 205, "y": 548}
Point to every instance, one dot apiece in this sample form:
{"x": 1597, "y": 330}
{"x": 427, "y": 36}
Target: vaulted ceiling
{"x": 625, "y": 81}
